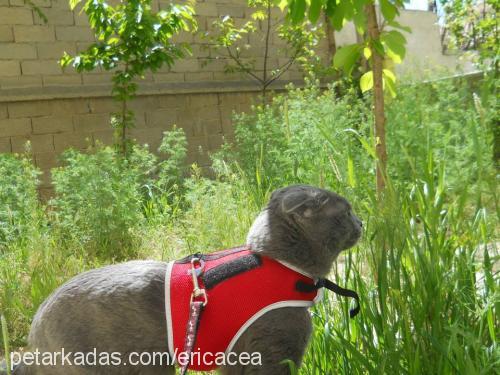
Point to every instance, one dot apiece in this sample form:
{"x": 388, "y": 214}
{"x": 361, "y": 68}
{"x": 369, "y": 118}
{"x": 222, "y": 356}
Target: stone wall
{"x": 57, "y": 109}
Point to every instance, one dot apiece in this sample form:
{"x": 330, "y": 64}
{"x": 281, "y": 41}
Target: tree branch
{"x": 242, "y": 67}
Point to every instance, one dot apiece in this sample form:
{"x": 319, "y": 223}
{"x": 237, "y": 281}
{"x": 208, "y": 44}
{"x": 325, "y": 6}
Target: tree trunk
{"x": 266, "y": 53}
{"x": 330, "y": 35}
{"x": 123, "y": 130}
{"x": 378, "y": 100}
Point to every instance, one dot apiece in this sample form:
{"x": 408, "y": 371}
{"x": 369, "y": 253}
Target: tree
{"x": 130, "y": 39}
{"x": 229, "y": 42}
{"x": 380, "y": 42}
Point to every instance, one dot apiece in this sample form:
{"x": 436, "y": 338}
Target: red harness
{"x": 240, "y": 286}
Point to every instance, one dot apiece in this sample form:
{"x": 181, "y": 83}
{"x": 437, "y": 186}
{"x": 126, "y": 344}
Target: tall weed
{"x": 20, "y": 211}
{"x": 98, "y": 199}
{"x": 430, "y": 295}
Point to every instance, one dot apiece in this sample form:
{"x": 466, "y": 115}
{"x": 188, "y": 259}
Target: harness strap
{"x": 195, "y": 310}
{"x": 301, "y": 286}
{"x": 229, "y": 269}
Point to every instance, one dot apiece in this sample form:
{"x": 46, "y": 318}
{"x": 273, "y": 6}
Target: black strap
{"x": 187, "y": 259}
{"x": 212, "y": 256}
{"x": 302, "y": 286}
{"x": 231, "y": 268}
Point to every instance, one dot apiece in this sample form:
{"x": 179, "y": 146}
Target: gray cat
{"x": 121, "y": 308}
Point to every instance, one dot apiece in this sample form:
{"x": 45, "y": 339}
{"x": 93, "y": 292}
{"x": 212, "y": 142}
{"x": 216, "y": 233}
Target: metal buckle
{"x": 195, "y": 273}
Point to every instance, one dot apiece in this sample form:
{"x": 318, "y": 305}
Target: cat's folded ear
{"x": 305, "y": 202}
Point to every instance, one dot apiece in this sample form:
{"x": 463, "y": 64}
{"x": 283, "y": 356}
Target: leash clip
{"x": 195, "y": 273}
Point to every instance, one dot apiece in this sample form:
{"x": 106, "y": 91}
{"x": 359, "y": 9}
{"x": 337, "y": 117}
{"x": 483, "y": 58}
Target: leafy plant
{"x": 172, "y": 170}
{"x": 430, "y": 295}
{"x": 318, "y": 137}
{"x": 19, "y": 207}
{"x": 98, "y": 199}
{"x": 230, "y": 42}
{"x": 131, "y": 40}
{"x": 307, "y": 135}
{"x": 473, "y": 25}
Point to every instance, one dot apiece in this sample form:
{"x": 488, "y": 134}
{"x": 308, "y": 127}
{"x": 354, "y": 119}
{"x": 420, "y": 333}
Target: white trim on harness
{"x": 168, "y": 311}
{"x": 293, "y": 268}
{"x": 260, "y": 313}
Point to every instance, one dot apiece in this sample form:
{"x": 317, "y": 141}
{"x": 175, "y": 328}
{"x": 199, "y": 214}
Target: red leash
{"x": 195, "y": 310}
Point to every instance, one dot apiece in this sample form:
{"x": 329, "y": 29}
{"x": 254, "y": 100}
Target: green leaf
{"x": 283, "y": 4}
{"x": 389, "y": 74}
{"x": 359, "y": 20}
{"x": 5, "y": 339}
{"x": 395, "y": 41}
{"x": 389, "y": 82}
{"x": 366, "y": 145}
{"x": 259, "y": 15}
{"x": 331, "y": 5}
{"x": 394, "y": 57}
{"x": 346, "y": 57}
{"x": 297, "y": 10}
{"x": 65, "y": 60}
{"x": 389, "y": 10}
{"x": 395, "y": 36}
{"x": 291, "y": 366}
{"x": 366, "y": 81}
{"x": 351, "y": 176}
{"x": 74, "y": 3}
{"x": 315, "y": 10}
{"x": 367, "y": 52}
{"x": 338, "y": 16}
{"x": 378, "y": 47}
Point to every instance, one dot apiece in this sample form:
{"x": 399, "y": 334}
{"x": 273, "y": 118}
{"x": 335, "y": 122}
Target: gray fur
{"x": 305, "y": 226}
{"x": 120, "y": 308}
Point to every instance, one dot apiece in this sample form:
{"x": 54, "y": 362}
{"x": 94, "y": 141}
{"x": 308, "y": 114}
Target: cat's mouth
{"x": 356, "y": 235}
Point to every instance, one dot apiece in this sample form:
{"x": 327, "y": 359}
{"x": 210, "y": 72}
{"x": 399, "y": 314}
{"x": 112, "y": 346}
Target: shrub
{"x": 98, "y": 199}
{"x": 307, "y": 135}
{"x": 19, "y": 208}
{"x": 101, "y": 198}
{"x": 172, "y": 170}
{"x": 314, "y": 136}
{"x": 219, "y": 213}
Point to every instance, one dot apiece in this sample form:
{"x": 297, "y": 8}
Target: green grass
{"x": 426, "y": 268}
{"x": 429, "y": 292}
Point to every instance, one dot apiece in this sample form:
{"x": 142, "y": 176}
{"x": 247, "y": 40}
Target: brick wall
{"x": 29, "y": 48}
